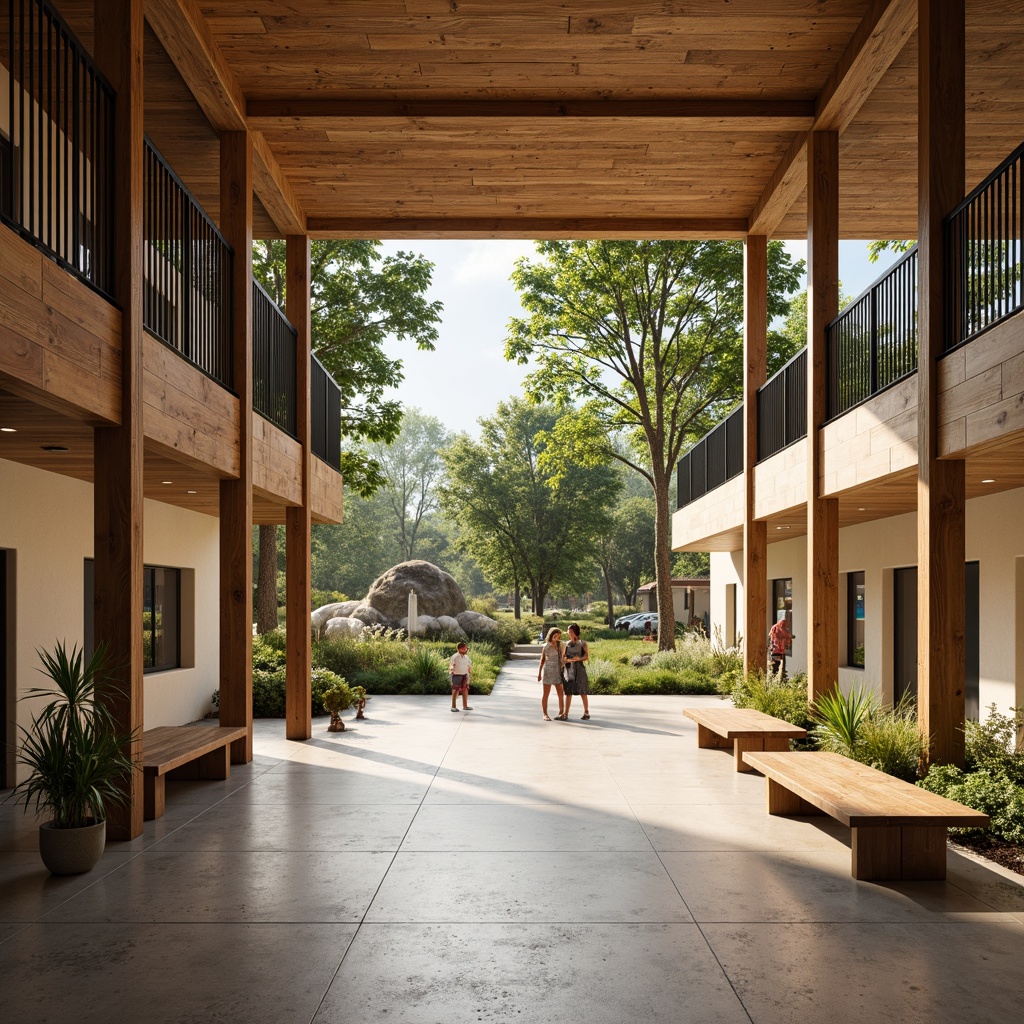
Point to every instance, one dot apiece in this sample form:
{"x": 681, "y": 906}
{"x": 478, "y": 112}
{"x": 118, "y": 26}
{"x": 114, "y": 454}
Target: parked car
{"x": 639, "y": 624}
{"x": 623, "y": 621}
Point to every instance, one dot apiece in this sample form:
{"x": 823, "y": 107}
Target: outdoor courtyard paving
{"x": 490, "y": 866}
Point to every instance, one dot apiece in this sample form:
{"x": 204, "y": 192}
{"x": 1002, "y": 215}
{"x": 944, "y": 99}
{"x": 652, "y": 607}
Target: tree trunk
{"x": 663, "y": 565}
{"x": 611, "y": 611}
{"x": 518, "y": 602}
{"x": 266, "y": 584}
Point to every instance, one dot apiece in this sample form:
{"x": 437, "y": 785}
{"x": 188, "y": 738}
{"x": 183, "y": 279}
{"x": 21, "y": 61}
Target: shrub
{"x": 640, "y": 660}
{"x": 601, "y": 674}
{"x": 428, "y": 669}
{"x": 839, "y": 718}
{"x": 485, "y": 605}
{"x": 990, "y": 745}
{"x": 322, "y": 597}
{"x": 991, "y": 793}
{"x": 770, "y": 693}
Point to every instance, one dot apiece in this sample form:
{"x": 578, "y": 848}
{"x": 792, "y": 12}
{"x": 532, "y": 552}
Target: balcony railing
{"x": 187, "y": 264}
{"x": 273, "y": 362}
{"x": 57, "y": 152}
{"x": 715, "y": 458}
{"x": 872, "y": 344}
{"x": 983, "y": 253}
{"x": 325, "y": 415}
{"x": 782, "y": 408}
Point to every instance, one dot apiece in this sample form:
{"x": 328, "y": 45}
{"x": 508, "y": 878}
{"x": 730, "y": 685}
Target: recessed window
{"x": 782, "y": 605}
{"x": 855, "y": 619}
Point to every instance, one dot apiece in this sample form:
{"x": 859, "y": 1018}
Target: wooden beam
{"x": 236, "y": 494}
{"x": 298, "y": 521}
{"x": 527, "y": 227}
{"x": 755, "y": 534}
{"x": 875, "y": 44}
{"x": 822, "y": 513}
{"x": 118, "y": 451}
{"x": 769, "y": 114}
{"x": 784, "y": 187}
{"x": 186, "y": 36}
{"x": 940, "y": 507}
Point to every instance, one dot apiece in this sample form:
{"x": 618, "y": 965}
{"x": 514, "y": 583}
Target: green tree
{"x": 528, "y": 517}
{"x": 649, "y": 335}
{"x": 411, "y": 466}
{"x": 632, "y": 561}
{"x": 357, "y": 301}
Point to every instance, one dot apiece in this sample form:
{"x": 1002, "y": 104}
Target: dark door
{"x": 904, "y": 676}
{"x": 7, "y": 698}
{"x": 972, "y": 642}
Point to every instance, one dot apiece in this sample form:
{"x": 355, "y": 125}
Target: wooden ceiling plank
{"x": 784, "y": 187}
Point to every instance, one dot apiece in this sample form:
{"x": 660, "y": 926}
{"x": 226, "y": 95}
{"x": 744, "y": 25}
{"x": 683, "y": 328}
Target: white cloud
{"x": 490, "y": 260}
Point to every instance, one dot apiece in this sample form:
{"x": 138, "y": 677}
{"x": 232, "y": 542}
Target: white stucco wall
{"x": 994, "y": 538}
{"x": 47, "y": 520}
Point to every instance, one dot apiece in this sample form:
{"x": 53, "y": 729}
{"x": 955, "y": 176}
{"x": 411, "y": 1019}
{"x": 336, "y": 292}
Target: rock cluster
{"x": 441, "y": 605}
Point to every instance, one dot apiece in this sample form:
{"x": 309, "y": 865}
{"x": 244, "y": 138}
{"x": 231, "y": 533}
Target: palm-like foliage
{"x": 840, "y": 718}
{"x": 75, "y": 754}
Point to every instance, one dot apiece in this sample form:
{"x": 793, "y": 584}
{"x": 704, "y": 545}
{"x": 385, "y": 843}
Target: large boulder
{"x": 322, "y": 615}
{"x": 424, "y": 624}
{"x": 476, "y": 623}
{"x": 371, "y": 616}
{"x": 450, "y": 624}
{"x": 343, "y": 626}
{"x": 437, "y": 592}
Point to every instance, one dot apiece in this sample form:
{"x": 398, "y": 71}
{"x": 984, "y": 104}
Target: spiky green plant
{"x": 74, "y": 751}
{"x": 428, "y": 667}
{"x": 840, "y": 718}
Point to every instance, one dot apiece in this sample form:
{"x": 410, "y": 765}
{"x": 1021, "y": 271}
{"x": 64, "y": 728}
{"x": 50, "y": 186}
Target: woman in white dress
{"x": 550, "y": 673}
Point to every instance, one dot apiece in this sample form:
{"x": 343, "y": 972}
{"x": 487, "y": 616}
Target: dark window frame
{"x": 9, "y": 192}
{"x": 778, "y": 590}
{"x": 853, "y": 581}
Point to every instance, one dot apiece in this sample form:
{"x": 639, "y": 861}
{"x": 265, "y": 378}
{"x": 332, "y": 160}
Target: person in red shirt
{"x": 780, "y": 638}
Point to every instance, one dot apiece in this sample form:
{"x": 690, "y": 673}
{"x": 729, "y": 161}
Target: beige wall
{"x": 47, "y": 520}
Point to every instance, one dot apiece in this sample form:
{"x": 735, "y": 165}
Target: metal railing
{"x": 57, "y": 156}
{"x": 872, "y": 344}
{"x": 715, "y": 458}
{"x": 273, "y": 362}
{"x": 782, "y": 408}
{"x": 187, "y": 265}
{"x": 983, "y": 253}
{"x": 324, "y": 415}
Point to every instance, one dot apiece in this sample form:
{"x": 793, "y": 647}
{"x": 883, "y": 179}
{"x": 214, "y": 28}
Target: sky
{"x": 467, "y": 375}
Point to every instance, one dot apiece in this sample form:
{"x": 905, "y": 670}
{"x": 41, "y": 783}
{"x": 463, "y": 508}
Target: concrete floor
{"x": 489, "y": 866}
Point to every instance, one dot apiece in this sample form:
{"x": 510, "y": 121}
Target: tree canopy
{"x": 649, "y": 335}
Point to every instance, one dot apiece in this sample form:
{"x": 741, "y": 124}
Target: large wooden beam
{"x": 940, "y": 488}
{"x": 822, "y": 513}
{"x": 236, "y": 494}
{"x": 527, "y": 227}
{"x": 872, "y": 48}
{"x": 298, "y": 521}
{"x": 118, "y": 451}
{"x": 737, "y": 114}
{"x": 755, "y": 367}
{"x": 185, "y": 35}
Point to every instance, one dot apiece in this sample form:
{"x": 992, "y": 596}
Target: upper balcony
{"x": 869, "y": 443}
{"x": 60, "y": 357}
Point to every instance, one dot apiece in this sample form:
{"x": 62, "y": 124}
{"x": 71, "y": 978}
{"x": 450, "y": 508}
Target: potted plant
{"x": 340, "y": 697}
{"x": 76, "y": 758}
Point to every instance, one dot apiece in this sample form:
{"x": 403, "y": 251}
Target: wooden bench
{"x": 183, "y": 752}
{"x": 742, "y": 730}
{"x": 898, "y": 830}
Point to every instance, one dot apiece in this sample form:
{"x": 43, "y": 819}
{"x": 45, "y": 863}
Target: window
{"x": 782, "y": 605}
{"x": 855, "y": 619}
{"x": 161, "y": 616}
{"x": 7, "y": 196}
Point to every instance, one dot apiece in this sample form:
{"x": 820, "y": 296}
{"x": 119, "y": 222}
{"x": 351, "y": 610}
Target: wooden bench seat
{"x": 183, "y": 752}
{"x": 742, "y": 730}
{"x": 898, "y": 830}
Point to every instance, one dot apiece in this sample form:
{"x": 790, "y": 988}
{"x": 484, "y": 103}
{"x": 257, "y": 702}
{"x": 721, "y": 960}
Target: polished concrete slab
{"x": 430, "y": 867}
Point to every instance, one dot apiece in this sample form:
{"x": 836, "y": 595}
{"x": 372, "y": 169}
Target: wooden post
{"x": 298, "y": 533}
{"x": 755, "y": 534}
{"x": 236, "y": 495}
{"x": 118, "y": 458}
{"x": 940, "y": 484}
{"x": 822, "y": 513}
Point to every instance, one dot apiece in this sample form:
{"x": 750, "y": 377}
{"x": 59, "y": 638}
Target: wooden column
{"x": 298, "y": 533}
{"x": 755, "y": 534}
{"x": 940, "y": 484}
{"x": 118, "y": 453}
{"x": 822, "y": 513}
{"x": 236, "y": 495}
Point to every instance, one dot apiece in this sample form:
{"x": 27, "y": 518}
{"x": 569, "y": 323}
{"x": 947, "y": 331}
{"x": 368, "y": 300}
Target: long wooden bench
{"x": 898, "y": 830}
{"x": 742, "y": 730}
{"x": 183, "y": 752}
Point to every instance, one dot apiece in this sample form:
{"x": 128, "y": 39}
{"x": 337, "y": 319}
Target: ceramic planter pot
{"x": 72, "y": 851}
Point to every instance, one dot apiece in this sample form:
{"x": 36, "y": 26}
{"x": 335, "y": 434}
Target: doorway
{"x": 7, "y": 666}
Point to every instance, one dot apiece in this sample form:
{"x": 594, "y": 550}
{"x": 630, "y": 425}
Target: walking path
{"x": 490, "y": 866}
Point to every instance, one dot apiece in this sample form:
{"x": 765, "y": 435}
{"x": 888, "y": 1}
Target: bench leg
{"x": 782, "y": 801}
{"x": 741, "y": 745}
{"x": 885, "y": 854}
{"x": 710, "y": 740}
{"x": 216, "y": 764}
{"x": 153, "y": 797}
